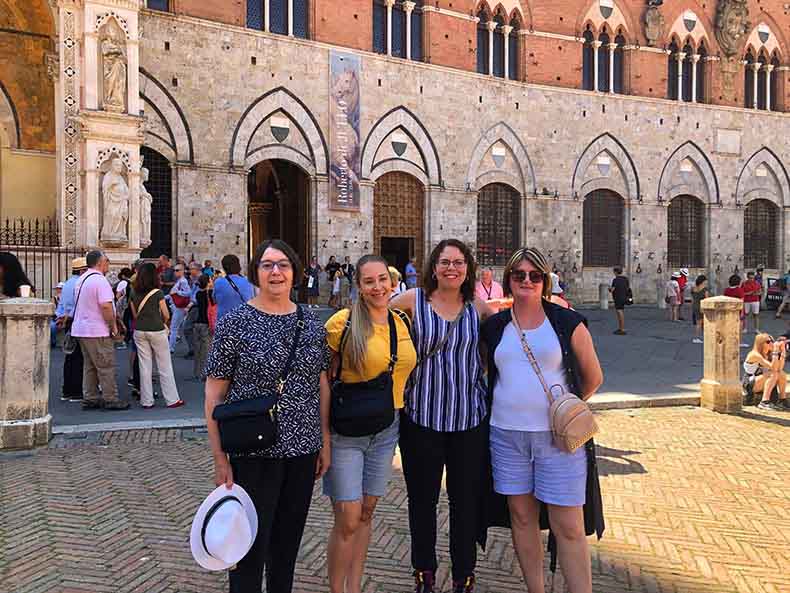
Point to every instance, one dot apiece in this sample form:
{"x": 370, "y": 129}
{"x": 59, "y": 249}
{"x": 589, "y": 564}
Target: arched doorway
{"x": 398, "y": 204}
{"x": 761, "y": 237}
{"x": 498, "y": 222}
{"x": 604, "y": 229}
{"x": 160, "y": 186}
{"x": 279, "y": 206}
{"x": 686, "y": 232}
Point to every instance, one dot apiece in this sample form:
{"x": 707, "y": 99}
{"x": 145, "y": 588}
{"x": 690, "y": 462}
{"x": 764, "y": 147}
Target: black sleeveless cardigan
{"x": 495, "y": 512}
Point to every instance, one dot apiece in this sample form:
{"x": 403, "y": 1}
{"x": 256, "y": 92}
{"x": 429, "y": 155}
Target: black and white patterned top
{"x": 250, "y": 349}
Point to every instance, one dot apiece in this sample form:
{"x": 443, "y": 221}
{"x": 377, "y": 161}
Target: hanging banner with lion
{"x": 345, "y": 163}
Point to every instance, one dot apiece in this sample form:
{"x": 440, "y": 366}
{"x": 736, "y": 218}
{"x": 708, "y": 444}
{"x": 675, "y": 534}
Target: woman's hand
{"x": 324, "y": 460}
{"x": 223, "y": 472}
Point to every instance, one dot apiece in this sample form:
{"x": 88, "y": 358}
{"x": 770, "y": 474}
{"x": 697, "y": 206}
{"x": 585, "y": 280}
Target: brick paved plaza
{"x": 696, "y": 502}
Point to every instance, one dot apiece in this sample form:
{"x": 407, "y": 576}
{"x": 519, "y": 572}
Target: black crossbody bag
{"x": 365, "y": 408}
{"x": 252, "y": 424}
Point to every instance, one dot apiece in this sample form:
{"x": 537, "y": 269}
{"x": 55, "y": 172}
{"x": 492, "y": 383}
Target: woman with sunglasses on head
{"x": 442, "y": 425}
{"x": 361, "y": 466}
{"x": 764, "y": 368}
{"x": 269, "y": 347}
{"x": 528, "y": 468}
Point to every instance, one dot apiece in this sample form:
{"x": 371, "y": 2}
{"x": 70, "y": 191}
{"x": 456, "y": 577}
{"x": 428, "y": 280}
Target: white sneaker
{"x": 697, "y": 341}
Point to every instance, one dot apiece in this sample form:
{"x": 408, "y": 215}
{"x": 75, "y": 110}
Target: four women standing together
{"x": 426, "y": 349}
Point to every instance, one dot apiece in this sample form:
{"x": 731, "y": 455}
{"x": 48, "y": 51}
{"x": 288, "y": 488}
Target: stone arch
{"x": 177, "y": 145}
{"x": 700, "y": 182}
{"x": 280, "y": 152}
{"x": 677, "y": 179}
{"x": 776, "y": 42}
{"x": 403, "y": 119}
{"x": 279, "y": 99}
{"x": 479, "y": 175}
{"x": 620, "y": 157}
{"x": 9, "y": 120}
{"x": 673, "y": 13}
{"x": 774, "y": 185}
{"x": 621, "y": 17}
{"x": 402, "y": 165}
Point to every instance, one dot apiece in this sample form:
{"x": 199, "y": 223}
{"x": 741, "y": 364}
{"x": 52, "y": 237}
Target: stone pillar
{"x": 25, "y": 421}
{"x": 612, "y": 47}
{"x": 491, "y": 26}
{"x": 768, "y": 69}
{"x": 507, "y": 30}
{"x": 266, "y": 15}
{"x": 681, "y": 56}
{"x": 694, "y": 61}
{"x": 390, "y": 4}
{"x": 290, "y": 18}
{"x": 596, "y": 46}
{"x": 408, "y": 7}
{"x": 721, "y": 387}
{"x": 756, "y": 68}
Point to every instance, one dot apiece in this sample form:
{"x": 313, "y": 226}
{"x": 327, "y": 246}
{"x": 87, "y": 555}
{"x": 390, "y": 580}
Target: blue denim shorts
{"x": 361, "y": 465}
{"x": 530, "y": 463}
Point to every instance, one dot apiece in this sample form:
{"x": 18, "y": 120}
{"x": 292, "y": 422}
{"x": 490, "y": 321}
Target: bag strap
{"x": 234, "y": 287}
{"x": 77, "y": 300}
{"x": 300, "y": 325}
{"x": 532, "y": 360}
{"x": 393, "y": 343}
{"x": 145, "y": 301}
{"x": 453, "y": 324}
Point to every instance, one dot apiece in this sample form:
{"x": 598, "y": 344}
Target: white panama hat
{"x": 224, "y": 528}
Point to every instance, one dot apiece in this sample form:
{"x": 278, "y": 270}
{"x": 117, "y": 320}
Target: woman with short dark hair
{"x": 151, "y": 316}
{"x": 12, "y": 276}
{"x": 443, "y": 426}
{"x": 263, "y": 347}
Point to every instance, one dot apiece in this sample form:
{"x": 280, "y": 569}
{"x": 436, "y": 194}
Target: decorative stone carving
{"x": 52, "y": 62}
{"x": 113, "y": 53}
{"x": 654, "y": 22}
{"x": 115, "y": 204}
{"x": 146, "y": 202}
{"x": 732, "y": 23}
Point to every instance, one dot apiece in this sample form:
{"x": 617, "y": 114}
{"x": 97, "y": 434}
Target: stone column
{"x": 266, "y": 15}
{"x": 612, "y": 47}
{"x": 25, "y": 421}
{"x": 491, "y": 26}
{"x": 721, "y": 387}
{"x": 507, "y": 30}
{"x": 408, "y": 7}
{"x": 290, "y": 18}
{"x": 694, "y": 61}
{"x": 596, "y": 46}
{"x": 768, "y": 69}
{"x": 756, "y": 68}
{"x": 680, "y": 57}
{"x": 390, "y": 4}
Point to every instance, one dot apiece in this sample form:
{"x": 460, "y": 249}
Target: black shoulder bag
{"x": 252, "y": 424}
{"x": 366, "y": 408}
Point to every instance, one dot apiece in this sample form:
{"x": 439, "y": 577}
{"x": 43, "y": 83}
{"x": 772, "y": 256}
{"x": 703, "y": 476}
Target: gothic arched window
{"x": 619, "y": 72}
{"x": 672, "y": 71}
{"x": 688, "y": 66}
{"x": 603, "y": 227}
{"x": 686, "y": 232}
{"x": 603, "y": 62}
{"x": 588, "y": 61}
{"x": 512, "y": 51}
{"x": 748, "y": 81}
{"x": 498, "y": 221}
{"x": 761, "y": 83}
{"x": 499, "y": 48}
{"x": 482, "y": 42}
{"x": 703, "y": 54}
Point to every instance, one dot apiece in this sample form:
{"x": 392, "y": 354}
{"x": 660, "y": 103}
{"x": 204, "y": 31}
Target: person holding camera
{"x": 764, "y": 368}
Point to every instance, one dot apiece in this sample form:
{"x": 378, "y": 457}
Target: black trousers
{"x": 281, "y": 490}
{"x": 72, "y": 374}
{"x": 425, "y": 454}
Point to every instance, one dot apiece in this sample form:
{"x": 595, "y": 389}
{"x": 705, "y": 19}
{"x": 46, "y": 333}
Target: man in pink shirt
{"x": 487, "y": 288}
{"x": 95, "y": 326}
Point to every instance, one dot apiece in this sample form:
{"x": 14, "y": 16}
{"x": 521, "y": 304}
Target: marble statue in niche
{"x": 654, "y": 22}
{"x": 114, "y": 68}
{"x": 732, "y": 24}
{"x": 146, "y": 202}
{"x": 115, "y": 204}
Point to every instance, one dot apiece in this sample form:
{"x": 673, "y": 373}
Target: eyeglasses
{"x": 520, "y": 275}
{"x": 456, "y": 263}
{"x": 282, "y": 265}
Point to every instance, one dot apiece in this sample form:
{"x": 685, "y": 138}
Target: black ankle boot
{"x": 424, "y": 581}
{"x": 465, "y": 586}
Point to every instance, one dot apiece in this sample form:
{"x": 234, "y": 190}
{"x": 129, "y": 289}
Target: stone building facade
{"x": 605, "y": 132}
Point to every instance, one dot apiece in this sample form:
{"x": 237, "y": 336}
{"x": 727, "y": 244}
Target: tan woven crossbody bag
{"x": 571, "y": 419}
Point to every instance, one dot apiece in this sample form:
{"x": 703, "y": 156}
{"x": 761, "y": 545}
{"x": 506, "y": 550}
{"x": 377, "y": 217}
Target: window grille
{"x": 603, "y": 229}
{"x": 416, "y": 34}
{"x": 160, "y": 186}
{"x": 159, "y": 5}
{"x": 300, "y": 9}
{"x": 278, "y": 17}
{"x": 498, "y": 221}
{"x": 686, "y": 232}
{"x": 379, "y": 28}
{"x": 588, "y": 58}
{"x": 760, "y": 236}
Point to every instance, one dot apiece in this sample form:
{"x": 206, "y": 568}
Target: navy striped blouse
{"x": 446, "y": 391}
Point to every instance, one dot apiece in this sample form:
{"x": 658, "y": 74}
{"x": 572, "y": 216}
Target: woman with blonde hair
{"x": 764, "y": 368}
{"x": 372, "y": 351}
{"x": 398, "y": 285}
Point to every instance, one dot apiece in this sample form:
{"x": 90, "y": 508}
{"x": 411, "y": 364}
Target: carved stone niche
{"x": 654, "y": 24}
{"x": 114, "y": 201}
{"x": 113, "y": 67}
{"x": 732, "y": 25}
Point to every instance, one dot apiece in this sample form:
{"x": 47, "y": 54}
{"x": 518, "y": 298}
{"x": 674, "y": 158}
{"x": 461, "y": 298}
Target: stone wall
{"x": 553, "y": 139}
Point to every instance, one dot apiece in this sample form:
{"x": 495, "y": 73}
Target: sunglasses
{"x": 520, "y": 275}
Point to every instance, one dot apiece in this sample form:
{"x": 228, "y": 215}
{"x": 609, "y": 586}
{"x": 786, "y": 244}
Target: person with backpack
{"x": 372, "y": 354}
{"x": 233, "y": 289}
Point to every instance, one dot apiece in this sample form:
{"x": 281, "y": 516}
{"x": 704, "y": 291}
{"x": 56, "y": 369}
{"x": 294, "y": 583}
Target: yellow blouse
{"x": 378, "y": 353}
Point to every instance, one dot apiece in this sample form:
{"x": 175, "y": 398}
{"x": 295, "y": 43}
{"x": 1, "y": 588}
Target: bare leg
{"x": 524, "y": 518}
{"x": 620, "y": 319}
{"x": 360, "y": 546}
{"x": 781, "y": 383}
{"x": 756, "y": 317}
{"x": 567, "y": 523}
{"x": 768, "y": 387}
{"x": 339, "y": 552}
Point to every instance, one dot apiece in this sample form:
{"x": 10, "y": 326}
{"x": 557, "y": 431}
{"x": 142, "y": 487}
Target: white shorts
{"x": 751, "y": 308}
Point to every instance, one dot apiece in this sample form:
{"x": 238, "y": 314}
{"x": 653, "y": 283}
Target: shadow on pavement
{"x": 616, "y": 462}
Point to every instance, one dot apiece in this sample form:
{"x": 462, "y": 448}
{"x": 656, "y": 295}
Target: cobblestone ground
{"x": 695, "y": 502}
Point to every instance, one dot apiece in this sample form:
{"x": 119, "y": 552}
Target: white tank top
{"x": 519, "y": 400}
